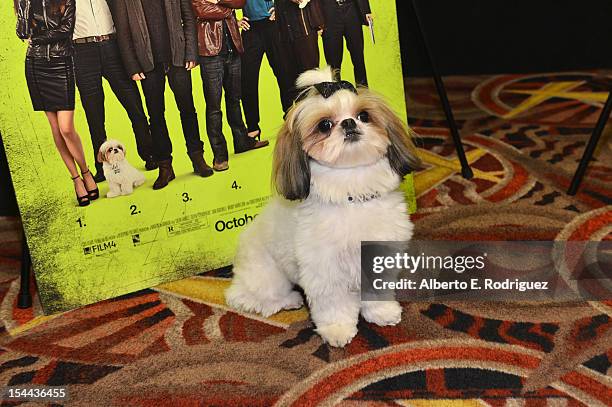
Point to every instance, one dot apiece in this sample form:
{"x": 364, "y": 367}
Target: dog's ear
{"x": 402, "y": 152}
{"x": 101, "y": 154}
{"x": 291, "y": 168}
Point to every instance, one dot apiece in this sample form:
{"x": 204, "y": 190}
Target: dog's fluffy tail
{"x": 314, "y": 76}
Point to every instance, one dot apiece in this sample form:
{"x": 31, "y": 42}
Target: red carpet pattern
{"x": 179, "y": 345}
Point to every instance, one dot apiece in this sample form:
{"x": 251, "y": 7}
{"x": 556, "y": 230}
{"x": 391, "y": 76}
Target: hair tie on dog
{"x": 326, "y": 89}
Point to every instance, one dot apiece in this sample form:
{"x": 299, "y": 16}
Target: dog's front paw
{"x": 337, "y": 335}
{"x": 112, "y": 195}
{"x": 246, "y": 301}
{"x": 382, "y": 313}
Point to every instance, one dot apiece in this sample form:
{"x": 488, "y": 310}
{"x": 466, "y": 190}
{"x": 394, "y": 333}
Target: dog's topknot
{"x": 315, "y": 76}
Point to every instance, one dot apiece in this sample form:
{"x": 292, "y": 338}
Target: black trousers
{"x": 94, "y": 61}
{"x": 301, "y": 55}
{"x": 153, "y": 87}
{"x": 262, "y": 38}
{"x": 222, "y": 73}
{"x": 345, "y": 23}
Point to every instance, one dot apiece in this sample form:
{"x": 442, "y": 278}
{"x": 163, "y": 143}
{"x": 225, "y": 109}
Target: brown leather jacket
{"x": 210, "y": 19}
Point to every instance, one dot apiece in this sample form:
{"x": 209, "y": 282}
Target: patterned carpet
{"x": 178, "y": 345}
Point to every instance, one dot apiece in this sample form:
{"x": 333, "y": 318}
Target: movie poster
{"x": 117, "y": 245}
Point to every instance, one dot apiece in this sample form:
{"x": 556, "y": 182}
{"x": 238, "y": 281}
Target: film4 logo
{"x": 234, "y": 223}
{"x": 100, "y": 247}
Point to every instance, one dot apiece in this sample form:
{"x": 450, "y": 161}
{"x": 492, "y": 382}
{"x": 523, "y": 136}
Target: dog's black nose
{"x": 115, "y": 150}
{"x": 348, "y": 125}
{"x": 351, "y": 134}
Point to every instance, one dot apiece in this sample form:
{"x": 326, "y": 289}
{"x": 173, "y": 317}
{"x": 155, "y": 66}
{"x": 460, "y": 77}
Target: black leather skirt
{"x": 51, "y": 83}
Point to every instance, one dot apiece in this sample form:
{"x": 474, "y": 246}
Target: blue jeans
{"x": 223, "y": 72}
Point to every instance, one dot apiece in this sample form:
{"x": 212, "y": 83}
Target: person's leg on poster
{"x": 333, "y": 38}
{"x": 212, "y": 71}
{"x": 68, "y": 159}
{"x": 290, "y": 68}
{"x": 231, "y": 85}
{"x": 179, "y": 79}
{"x": 251, "y": 59}
{"x": 88, "y": 74}
{"x": 301, "y": 55}
{"x": 153, "y": 87}
{"x": 353, "y": 32}
{"x": 128, "y": 95}
{"x": 276, "y": 54}
{"x": 68, "y": 143}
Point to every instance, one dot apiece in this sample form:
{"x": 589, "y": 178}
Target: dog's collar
{"x": 363, "y": 198}
{"x": 352, "y": 186}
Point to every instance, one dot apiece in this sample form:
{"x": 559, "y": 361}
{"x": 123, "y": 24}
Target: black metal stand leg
{"x": 590, "y": 148}
{"x": 24, "y": 299}
{"x": 466, "y": 171}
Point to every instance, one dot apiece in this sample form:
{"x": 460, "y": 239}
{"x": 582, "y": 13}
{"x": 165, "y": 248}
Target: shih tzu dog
{"x": 122, "y": 177}
{"x": 339, "y": 160}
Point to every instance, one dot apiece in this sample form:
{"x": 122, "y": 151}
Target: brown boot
{"x": 166, "y": 174}
{"x": 222, "y": 166}
{"x": 199, "y": 164}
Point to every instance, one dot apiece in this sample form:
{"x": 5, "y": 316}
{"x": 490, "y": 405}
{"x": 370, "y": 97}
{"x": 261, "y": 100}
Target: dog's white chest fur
{"x": 323, "y": 233}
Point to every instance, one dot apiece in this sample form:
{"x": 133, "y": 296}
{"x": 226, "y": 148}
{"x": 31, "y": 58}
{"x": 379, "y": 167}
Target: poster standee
{"x": 24, "y": 299}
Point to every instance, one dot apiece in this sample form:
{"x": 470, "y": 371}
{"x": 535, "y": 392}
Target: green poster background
{"x": 116, "y": 246}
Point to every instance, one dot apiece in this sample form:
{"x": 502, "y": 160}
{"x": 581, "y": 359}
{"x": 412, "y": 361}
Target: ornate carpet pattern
{"x": 179, "y": 345}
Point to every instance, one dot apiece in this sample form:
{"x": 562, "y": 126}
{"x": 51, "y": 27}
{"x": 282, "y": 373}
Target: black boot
{"x": 252, "y": 144}
{"x": 199, "y": 164}
{"x": 166, "y": 174}
{"x": 150, "y": 164}
{"x": 99, "y": 177}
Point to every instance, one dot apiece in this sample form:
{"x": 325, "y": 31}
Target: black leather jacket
{"x": 295, "y": 22}
{"x": 49, "y": 24}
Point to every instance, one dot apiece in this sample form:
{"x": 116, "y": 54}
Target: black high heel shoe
{"x": 82, "y": 200}
{"x": 94, "y": 193}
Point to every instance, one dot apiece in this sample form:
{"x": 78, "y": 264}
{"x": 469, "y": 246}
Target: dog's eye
{"x": 109, "y": 150}
{"x": 363, "y": 117}
{"x": 325, "y": 126}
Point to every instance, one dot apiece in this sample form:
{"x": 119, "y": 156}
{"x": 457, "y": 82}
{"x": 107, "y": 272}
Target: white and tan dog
{"x": 122, "y": 177}
{"x": 338, "y": 163}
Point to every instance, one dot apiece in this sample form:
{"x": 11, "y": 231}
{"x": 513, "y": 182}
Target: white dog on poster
{"x": 339, "y": 160}
{"x": 122, "y": 177}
